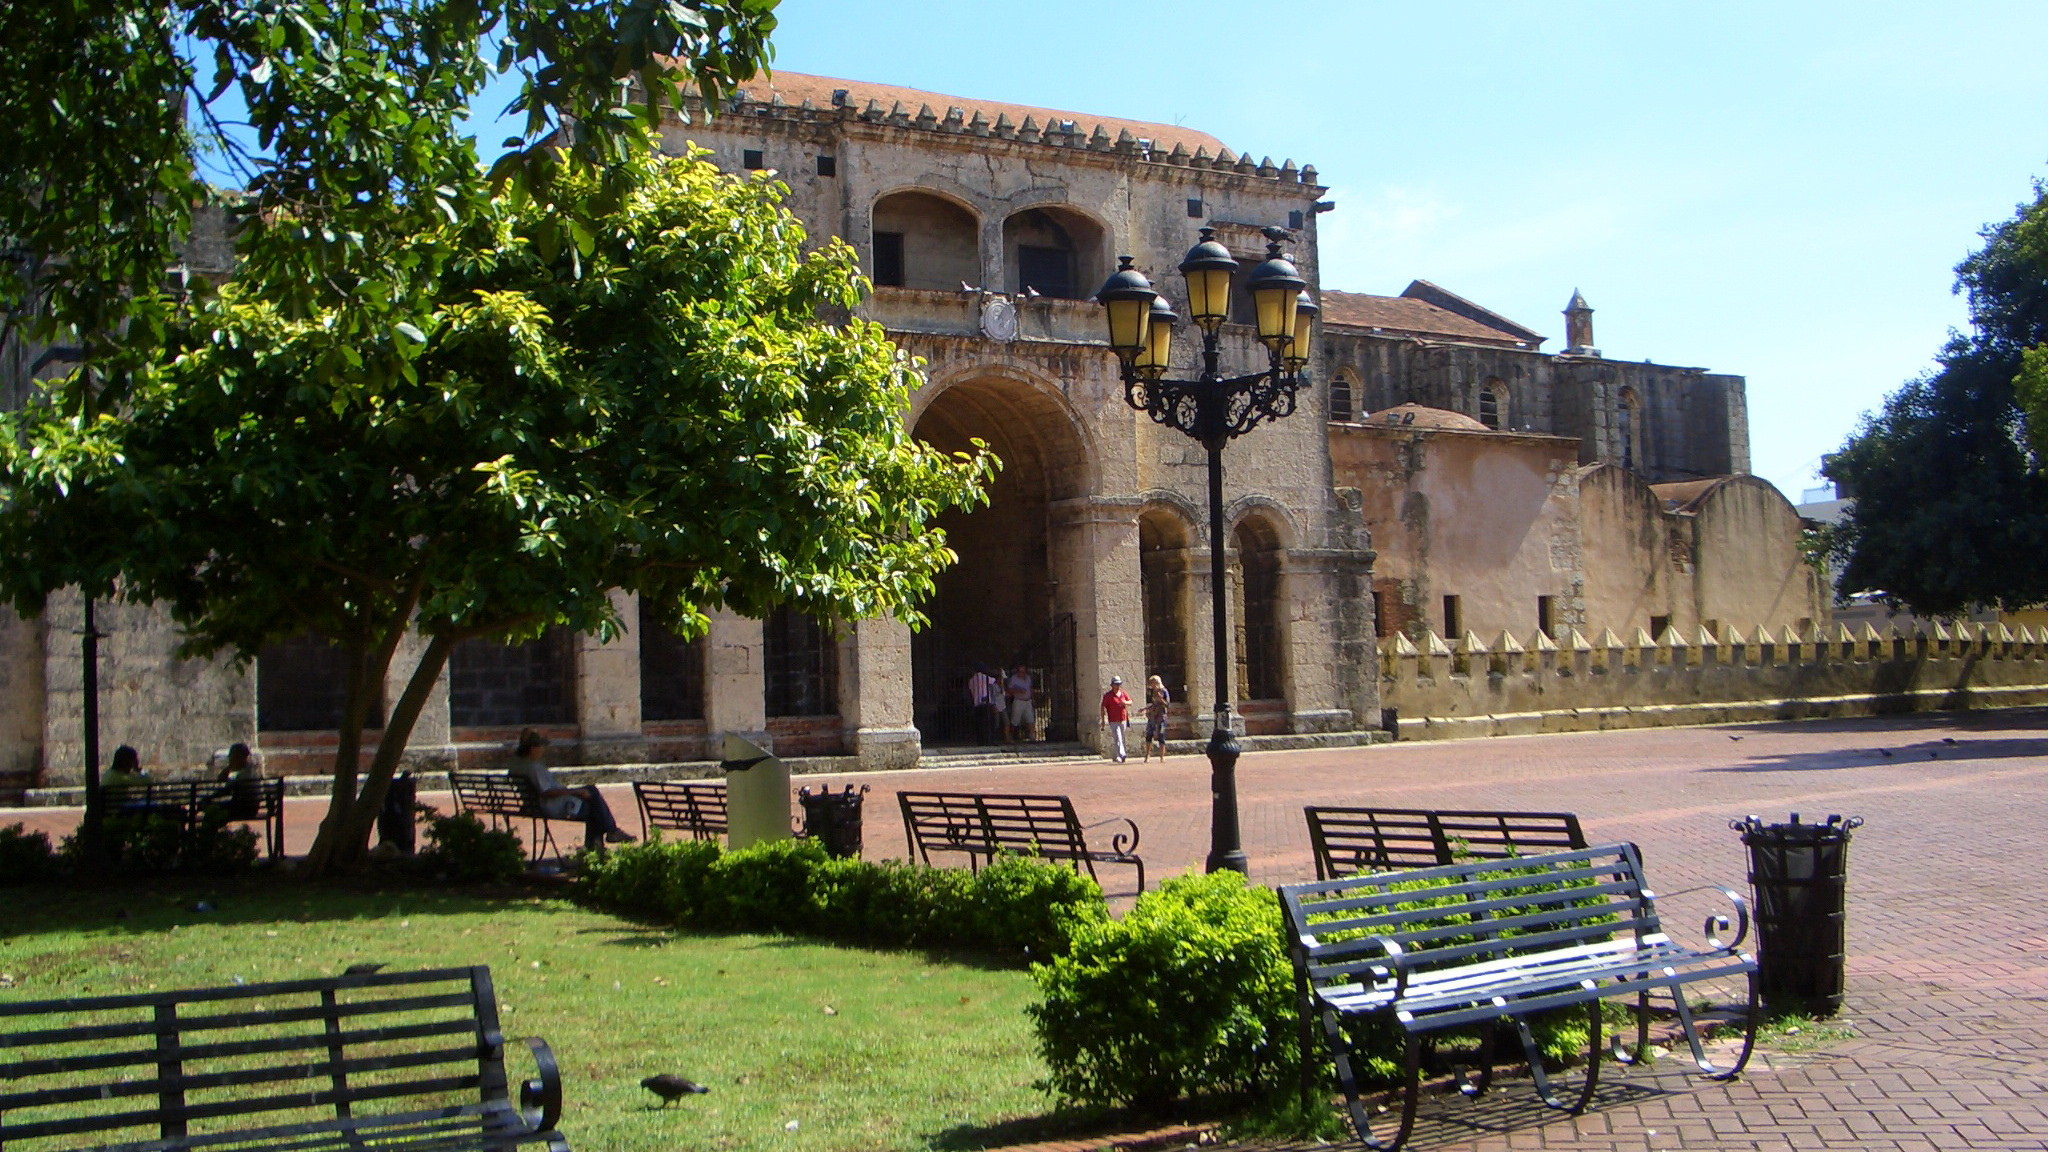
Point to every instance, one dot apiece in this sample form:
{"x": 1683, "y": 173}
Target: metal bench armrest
{"x": 543, "y": 1093}
{"x": 1717, "y": 924}
{"x": 1119, "y": 844}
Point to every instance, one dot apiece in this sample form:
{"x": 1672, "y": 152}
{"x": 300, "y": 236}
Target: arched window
{"x": 1163, "y": 572}
{"x": 1343, "y": 399}
{"x": 924, "y": 241}
{"x": 801, "y": 659}
{"x": 495, "y": 685}
{"x": 1260, "y": 658}
{"x": 1053, "y": 252}
{"x": 1493, "y": 405}
{"x": 1627, "y": 426}
{"x": 671, "y": 673}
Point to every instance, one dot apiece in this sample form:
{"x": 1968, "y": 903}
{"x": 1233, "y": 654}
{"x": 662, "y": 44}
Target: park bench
{"x": 506, "y": 798}
{"x": 192, "y": 803}
{"x": 1481, "y": 944}
{"x": 394, "y": 1060}
{"x": 1349, "y": 840}
{"x": 983, "y": 825}
{"x": 696, "y": 807}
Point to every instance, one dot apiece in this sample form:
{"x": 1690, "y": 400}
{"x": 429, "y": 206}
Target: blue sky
{"x": 1775, "y": 190}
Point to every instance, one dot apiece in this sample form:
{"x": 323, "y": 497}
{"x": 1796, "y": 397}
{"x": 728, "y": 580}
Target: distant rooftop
{"x": 795, "y": 87}
{"x": 1428, "y": 312}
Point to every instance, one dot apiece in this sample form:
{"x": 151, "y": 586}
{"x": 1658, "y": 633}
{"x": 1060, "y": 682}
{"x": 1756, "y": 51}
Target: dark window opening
{"x": 1048, "y": 270}
{"x": 1294, "y": 221}
{"x": 671, "y": 673}
{"x": 1454, "y": 622}
{"x": 1194, "y": 209}
{"x": 1340, "y": 401}
{"x": 1260, "y": 652}
{"x": 1625, "y": 421}
{"x": 1545, "y": 620}
{"x": 506, "y": 685}
{"x": 1162, "y": 563}
{"x": 1489, "y": 409}
{"x": 802, "y": 665}
{"x": 888, "y": 260}
{"x": 751, "y": 158}
{"x": 828, "y": 165}
{"x": 1658, "y": 626}
{"x": 302, "y": 686}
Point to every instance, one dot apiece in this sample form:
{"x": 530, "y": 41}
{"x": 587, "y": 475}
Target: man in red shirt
{"x": 1116, "y": 713}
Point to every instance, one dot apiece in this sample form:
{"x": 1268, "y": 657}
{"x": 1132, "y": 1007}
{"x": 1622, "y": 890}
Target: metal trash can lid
{"x": 1754, "y": 829}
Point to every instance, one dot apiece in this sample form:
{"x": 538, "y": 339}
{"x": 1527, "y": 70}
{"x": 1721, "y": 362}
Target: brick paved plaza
{"x": 1948, "y": 965}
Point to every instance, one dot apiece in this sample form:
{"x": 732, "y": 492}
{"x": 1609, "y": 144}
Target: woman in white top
{"x": 585, "y": 803}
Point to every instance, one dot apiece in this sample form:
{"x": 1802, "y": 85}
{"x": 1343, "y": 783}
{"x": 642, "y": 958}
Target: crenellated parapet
{"x": 1537, "y": 682}
{"x": 1048, "y": 130}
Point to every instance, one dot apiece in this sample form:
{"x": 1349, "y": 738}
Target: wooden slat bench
{"x": 1474, "y": 945}
{"x": 1350, "y": 840}
{"x": 194, "y": 802}
{"x": 505, "y": 798}
{"x": 396, "y": 1060}
{"x": 984, "y": 824}
{"x": 696, "y": 806}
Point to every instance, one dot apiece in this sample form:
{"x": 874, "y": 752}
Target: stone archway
{"x": 1001, "y": 604}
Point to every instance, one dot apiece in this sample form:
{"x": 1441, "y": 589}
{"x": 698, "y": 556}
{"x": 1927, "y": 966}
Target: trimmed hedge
{"x": 1190, "y": 994}
{"x": 1021, "y": 907}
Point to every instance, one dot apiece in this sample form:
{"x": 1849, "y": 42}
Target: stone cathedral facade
{"x": 1443, "y": 475}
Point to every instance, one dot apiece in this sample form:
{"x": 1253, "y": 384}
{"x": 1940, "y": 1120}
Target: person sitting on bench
{"x": 585, "y": 803}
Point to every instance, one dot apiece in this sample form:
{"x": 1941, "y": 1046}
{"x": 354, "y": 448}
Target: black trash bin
{"x": 1800, "y": 874}
{"x": 395, "y": 824}
{"x": 833, "y": 818}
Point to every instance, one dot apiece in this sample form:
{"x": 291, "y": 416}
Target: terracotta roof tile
{"x": 1404, "y": 316}
{"x": 796, "y": 87}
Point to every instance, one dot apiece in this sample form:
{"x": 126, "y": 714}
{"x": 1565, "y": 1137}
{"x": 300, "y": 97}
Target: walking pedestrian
{"x": 1023, "y": 708}
{"x": 1116, "y": 715}
{"x": 1156, "y": 703}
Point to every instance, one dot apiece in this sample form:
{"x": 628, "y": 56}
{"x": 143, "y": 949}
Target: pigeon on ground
{"x": 1735, "y": 737}
{"x": 1948, "y": 739}
{"x": 1885, "y": 752}
{"x": 361, "y": 969}
{"x": 672, "y": 1088}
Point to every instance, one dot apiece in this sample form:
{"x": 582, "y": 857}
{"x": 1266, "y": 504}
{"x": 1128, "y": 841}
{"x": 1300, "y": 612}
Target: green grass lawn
{"x": 859, "y": 1049}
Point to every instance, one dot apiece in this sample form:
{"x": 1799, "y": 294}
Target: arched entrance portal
{"x": 1001, "y": 604}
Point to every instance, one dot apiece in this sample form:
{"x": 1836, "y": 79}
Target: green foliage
{"x": 24, "y": 855}
{"x": 1950, "y": 507}
{"x": 461, "y": 849}
{"x": 1190, "y": 993}
{"x": 145, "y": 843}
{"x": 1017, "y": 906}
{"x": 572, "y": 395}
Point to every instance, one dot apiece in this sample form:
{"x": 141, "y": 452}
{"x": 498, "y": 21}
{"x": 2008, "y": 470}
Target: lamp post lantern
{"x": 1214, "y": 410}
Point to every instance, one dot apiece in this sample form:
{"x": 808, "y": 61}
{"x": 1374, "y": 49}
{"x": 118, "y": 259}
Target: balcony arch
{"x": 920, "y": 239}
{"x": 1054, "y": 251}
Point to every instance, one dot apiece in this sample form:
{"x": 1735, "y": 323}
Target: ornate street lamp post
{"x": 1214, "y": 410}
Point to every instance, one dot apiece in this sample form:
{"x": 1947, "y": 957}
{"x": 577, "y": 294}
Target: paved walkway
{"x": 1948, "y": 938}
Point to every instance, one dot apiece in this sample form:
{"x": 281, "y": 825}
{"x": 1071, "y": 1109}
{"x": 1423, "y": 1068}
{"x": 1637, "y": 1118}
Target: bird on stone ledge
{"x": 672, "y": 1088}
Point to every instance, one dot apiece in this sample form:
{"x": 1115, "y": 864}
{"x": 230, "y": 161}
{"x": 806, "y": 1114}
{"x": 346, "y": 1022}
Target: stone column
{"x": 1099, "y": 573}
{"x": 176, "y": 713}
{"x": 875, "y": 695}
{"x": 431, "y": 747}
{"x": 608, "y": 690}
{"x": 733, "y": 690}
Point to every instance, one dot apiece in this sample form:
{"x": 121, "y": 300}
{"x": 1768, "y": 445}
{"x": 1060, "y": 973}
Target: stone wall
{"x": 1510, "y": 686}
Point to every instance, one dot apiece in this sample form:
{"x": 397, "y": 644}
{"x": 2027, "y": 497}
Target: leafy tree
{"x": 608, "y": 392}
{"x": 1950, "y": 507}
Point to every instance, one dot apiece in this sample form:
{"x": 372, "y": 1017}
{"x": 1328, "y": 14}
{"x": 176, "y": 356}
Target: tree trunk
{"x": 350, "y": 842}
{"x": 368, "y": 668}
